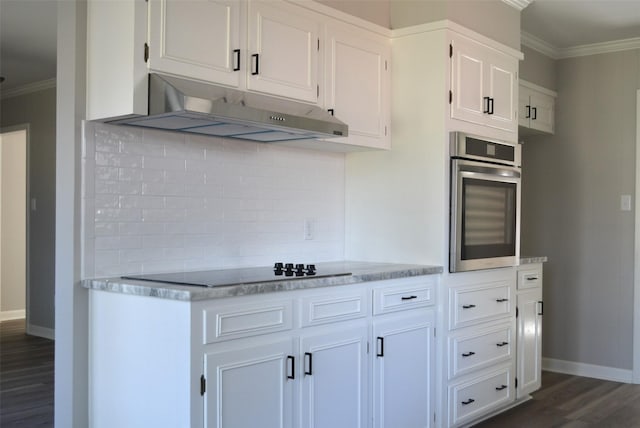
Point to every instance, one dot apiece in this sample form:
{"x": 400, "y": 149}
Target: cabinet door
{"x": 251, "y": 387}
{"x": 403, "y": 371}
{"x": 200, "y": 39}
{"x": 542, "y": 112}
{"x": 283, "y": 51}
{"x": 357, "y": 84}
{"x": 501, "y": 88}
{"x": 529, "y": 341}
{"x": 467, "y": 81}
{"x": 334, "y": 378}
{"x": 524, "y": 107}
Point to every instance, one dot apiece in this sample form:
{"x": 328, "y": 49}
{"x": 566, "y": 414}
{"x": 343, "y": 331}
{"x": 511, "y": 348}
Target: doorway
{"x": 13, "y": 222}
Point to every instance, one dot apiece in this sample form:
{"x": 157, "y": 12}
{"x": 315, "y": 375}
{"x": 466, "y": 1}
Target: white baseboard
{"x": 36, "y": 330}
{"x": 12, "y": 315}
{"x": 587, "y": 370}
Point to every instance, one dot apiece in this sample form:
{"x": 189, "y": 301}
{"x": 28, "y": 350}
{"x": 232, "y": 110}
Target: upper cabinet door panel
{"x": 468, "y": 82}
{"x": 197, "y": 38}
{"x": 357, "y": 84}
{"x": 283, "y": 51}
{"x": 542, "y": 112}
{"x": 502, "y": 87}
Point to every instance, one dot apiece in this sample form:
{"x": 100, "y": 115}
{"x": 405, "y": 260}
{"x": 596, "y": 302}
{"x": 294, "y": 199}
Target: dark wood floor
{"x": 566, "y": 401}
{"x": 26, "y": 377}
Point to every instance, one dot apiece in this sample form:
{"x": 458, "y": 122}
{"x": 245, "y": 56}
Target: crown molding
{"x": 600, "y": 48}
{"x": 518, "y": 4}
{"x": 545, "y": 48}
{"x": 28, "y": 88}
{"x": 537, "y": 44}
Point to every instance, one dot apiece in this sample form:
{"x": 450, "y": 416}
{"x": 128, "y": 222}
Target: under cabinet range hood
{"x": 178, "y": 104}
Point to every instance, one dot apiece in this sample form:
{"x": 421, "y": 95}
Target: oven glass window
{"x": 488, "y": 219}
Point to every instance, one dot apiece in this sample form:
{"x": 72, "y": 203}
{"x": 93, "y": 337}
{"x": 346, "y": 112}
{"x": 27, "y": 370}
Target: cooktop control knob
{"x": 288, "y": 269}
{"x": 299, "y": 270}
{"x": 311, "y": 269}
{"x": 277, "y": 268}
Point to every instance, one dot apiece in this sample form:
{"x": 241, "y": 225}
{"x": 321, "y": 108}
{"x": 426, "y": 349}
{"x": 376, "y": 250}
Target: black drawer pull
{"x": 468, "y": 306}
{"x": 256, "y": 64}
{"x": 532, "y": 278}
{"x": 310, "y": 359}
{"x": 409, "y": 298}
{"x": 500, "y": 345}
{"x": 380, "y": 351}
{"x": 535, "y": 113}
{"x": 501, "y": 387}
{"x": 502, "y": 300}
{"x": 541, "y": 308}
{"x": 236, "y": 52}
{"x": 469, "y": 401}
{"x": 491, "y": 100}
{"x": 528, "y": 112}
{"x": 486, "y": 104}
{"x": 468, "y": 354}
{"x": 292, "y": 367}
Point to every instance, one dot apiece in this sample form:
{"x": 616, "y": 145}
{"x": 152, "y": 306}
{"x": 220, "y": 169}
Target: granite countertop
{"x": 528, "y": 260}
{"x": 361, "y": 272}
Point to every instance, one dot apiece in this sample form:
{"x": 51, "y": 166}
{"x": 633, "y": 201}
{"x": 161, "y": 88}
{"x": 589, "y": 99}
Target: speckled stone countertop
{"x": 360, "y": 272}
{"x": 526, "y": 260}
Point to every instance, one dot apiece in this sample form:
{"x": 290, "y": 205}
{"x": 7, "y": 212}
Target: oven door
{"x": 485, "y": 216}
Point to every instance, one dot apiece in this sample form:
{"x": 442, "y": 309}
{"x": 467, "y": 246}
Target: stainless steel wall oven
{"x": 485, "y": 203}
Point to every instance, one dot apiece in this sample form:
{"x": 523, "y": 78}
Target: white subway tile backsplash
{"x": 161, "y": 201}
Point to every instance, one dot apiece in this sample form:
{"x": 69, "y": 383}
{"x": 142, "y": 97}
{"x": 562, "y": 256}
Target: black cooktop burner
{"x": 219, "y": 278}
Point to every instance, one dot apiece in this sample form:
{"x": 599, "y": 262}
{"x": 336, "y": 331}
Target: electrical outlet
{"x": 309, "y": 229}
{"x": 625, "y": 202}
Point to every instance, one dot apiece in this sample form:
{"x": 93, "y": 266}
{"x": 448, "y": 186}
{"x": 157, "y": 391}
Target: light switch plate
{"x": 625, "y": 202}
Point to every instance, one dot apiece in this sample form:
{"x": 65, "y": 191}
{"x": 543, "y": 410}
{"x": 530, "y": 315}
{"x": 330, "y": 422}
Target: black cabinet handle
{"x": 501, "y": 300}
{"x": 468, "y": 306}
{"x": 308, "y": 357}
{"x": 468, "y": 354}
{"x": 256, "y": 65}
{"x": 469, "y": 401}
{"x": 541, "y": 308}
{"x": 491, "y": 105}
{"x": 532, "y": 278}
{"x": 236, "y": 52}
{"x": 486, "y": 104}
{"x": 330, "y": 111}
{"x": 528, "y": 112}
{"x": 380, "y": 351}
{"x": 292, "y": 367}
{"x": 535, "y": 113}
{"x": 501, "y": 387}
{"x": 501, "y": 344}
{"x": 408, "y": 297}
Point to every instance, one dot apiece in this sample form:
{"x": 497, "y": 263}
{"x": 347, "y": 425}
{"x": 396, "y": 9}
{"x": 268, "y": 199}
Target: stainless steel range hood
{"x": 183, "y": 105}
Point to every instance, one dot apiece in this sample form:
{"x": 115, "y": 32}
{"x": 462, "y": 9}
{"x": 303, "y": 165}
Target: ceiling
{"x": 28, "y": 31}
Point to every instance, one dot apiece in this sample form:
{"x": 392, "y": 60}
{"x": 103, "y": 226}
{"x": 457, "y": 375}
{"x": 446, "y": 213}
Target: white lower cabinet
{"x": 529, "y": 348}
{"x": 251, "y": 386}
{"x": 334, "y": 378}
{"x": 403, "y": 370}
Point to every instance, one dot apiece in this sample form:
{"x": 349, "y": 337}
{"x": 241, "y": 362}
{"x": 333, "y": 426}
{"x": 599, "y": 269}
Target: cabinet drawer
{"x": 480, "y": 395}
{"x": 529, "y": 278}
{"x": 232, "y": 322}
{"x": 404, "y": 295}
{"x": 480, "y": 348}
{"x": 470, "y": 305}
{"x": 322, "y": 309}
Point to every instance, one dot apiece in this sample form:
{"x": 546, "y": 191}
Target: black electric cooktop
{"x": 226, "y": 277}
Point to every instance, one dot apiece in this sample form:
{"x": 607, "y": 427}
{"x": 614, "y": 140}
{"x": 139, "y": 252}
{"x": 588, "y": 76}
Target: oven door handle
{"x": 489, "y": 170}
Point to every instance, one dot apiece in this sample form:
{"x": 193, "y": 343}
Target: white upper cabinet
{"x": 198, "y": 39}
{"x": 283, "y": 51}
{"x": 357, "y": 84}
{"x": 483, "y": 84}
{"x": 536, "y": 109}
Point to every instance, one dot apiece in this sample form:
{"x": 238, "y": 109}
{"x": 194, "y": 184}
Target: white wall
{"x": 13, "y": 190}
{"x": 159, "y": 201}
